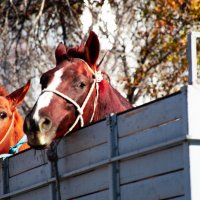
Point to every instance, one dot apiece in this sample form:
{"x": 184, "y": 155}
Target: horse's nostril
{"x": 45, "y": 124}
{"x": 46, "y": 121}
{"x": 30, "y": 125}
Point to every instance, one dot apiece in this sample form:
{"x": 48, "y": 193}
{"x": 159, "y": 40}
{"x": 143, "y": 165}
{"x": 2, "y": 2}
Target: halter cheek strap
{"x": 9, "y": 129}
{"x": 98, "y": 78}
{"x": 13, "y": 149}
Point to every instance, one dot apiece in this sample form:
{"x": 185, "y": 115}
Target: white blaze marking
{"x": 45, "y": 99}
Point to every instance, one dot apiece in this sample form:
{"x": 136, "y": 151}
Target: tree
{"x": 155, "y": 34}
{"x": 145, "y": 40}
{"x": 30, "y": 30}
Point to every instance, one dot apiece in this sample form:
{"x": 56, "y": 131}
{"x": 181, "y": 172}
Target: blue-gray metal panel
{"x": 151, "y": 115}
{"x": 178, "y": 198}
{"x": 85, "y": 138}
{"x": 28, "y": 178}
{"x": 151, "y": 137}
{"x": 83, "y": 158}
{"x": 1, "y": 177}
{"x": 6, "y": 181}
{"x": 159, "y": 187}
{"x": 83, "y": 184}
{"x": 39, "y": 194}
{"x": 152, "y": 164}
{"x": 103, "y": 195}
{"x": 26, "y": 161}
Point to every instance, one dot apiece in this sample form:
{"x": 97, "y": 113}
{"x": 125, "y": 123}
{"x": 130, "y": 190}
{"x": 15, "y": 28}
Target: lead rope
{"x": 9, "y": 129}
{"x": 13, "y": 149}
{"x": 52, "y": 152}
{"x": 53, "y": 158}
{"x": 3, "y": 156}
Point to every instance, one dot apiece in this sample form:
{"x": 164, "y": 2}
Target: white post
{"x": 192, "y": 56}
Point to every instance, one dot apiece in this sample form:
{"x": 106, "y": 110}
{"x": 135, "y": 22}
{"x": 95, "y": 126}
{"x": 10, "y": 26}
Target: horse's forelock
{"x": 76, "y": 52}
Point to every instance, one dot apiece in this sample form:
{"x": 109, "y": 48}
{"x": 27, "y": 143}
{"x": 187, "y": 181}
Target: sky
{"x": 106, "y": 16}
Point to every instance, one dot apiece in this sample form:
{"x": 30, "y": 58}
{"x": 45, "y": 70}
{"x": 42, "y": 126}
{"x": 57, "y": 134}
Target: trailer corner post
{"x": 114, "y": 183}
{"x": 192, "y": 56}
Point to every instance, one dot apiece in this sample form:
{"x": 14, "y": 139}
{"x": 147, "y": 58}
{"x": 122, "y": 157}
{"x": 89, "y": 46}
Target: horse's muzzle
{"x": 37, "y": 132}
{"x": 37, "y": 147}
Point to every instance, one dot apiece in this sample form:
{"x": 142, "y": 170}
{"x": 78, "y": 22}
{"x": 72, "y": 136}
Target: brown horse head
{"x": 11, "y": 123}
{"x": 73, "y": 95}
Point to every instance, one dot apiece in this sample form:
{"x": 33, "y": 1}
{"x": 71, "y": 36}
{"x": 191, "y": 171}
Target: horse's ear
{"x": 60, "y": 52}
{"x": 92, "y": 48}
{"x": 17, "y": 96}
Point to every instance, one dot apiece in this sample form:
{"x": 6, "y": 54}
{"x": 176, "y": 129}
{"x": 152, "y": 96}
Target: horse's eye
{"x": 82, "y": 85}
{"x": 3, "y": 115}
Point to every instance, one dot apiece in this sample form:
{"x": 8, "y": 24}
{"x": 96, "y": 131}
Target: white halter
{"x": 98, "y": 78}
{"x": 9, "y": 129}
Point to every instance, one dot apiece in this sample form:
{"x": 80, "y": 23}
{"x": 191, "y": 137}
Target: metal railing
{"x": 192, "y": 57}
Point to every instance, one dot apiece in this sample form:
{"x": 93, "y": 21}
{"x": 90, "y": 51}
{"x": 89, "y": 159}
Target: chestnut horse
{"x": 11, "y": 123}
{"x": 74, "y": 94}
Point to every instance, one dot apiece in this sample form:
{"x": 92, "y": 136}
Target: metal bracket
{"x": 192, "y": 56}
{"x": 53, "y": 158}
{"x": 6, "y": 188}
{"x": 114, "y": 184}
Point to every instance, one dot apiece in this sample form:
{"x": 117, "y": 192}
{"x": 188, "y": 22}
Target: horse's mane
{"x": 3, "y": 91}
{"x": 76, "y": 52}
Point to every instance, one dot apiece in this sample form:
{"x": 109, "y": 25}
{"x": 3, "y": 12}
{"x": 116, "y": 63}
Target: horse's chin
{"x": 38, "y": 147}
{"x": 41, "y": 140}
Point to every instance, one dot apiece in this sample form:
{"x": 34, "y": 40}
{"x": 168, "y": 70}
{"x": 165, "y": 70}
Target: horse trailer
{"x": 150, "y": 152}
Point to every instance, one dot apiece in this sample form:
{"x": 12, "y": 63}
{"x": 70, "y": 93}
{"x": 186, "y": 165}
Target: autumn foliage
{"x": 146, "y": 40}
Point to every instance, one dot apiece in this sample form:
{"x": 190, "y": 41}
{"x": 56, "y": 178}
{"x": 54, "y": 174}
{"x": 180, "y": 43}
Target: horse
{"x": 74, "y": 93}
{"x": 11, "y": 122}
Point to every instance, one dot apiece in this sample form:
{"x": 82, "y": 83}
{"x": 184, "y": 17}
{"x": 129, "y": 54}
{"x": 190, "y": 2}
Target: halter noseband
{"x": 13, "y": 149}
{"x": 9, "y": 129}
{"x": 98, "y": 78}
